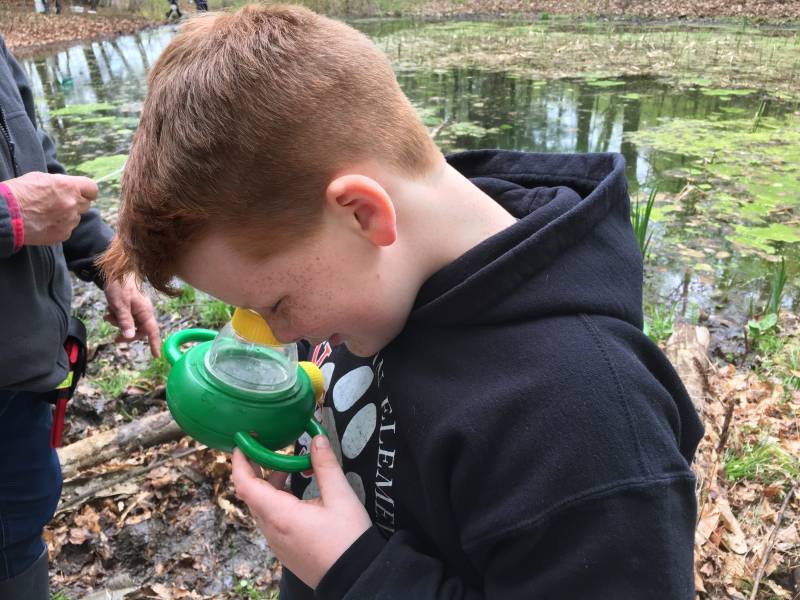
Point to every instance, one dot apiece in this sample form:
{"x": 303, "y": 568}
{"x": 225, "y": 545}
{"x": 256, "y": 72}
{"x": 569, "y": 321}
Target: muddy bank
{"x": 28, "y": 32}
{"x": 759, "y": 10}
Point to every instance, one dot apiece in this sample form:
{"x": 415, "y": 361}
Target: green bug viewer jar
{"x": 242, "y": 388}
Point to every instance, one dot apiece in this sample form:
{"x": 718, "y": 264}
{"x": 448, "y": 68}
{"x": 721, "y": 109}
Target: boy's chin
{"x": 358, "y": 349}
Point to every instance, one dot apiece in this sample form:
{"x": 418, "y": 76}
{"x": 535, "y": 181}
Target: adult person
{"x": 46, "y": 228}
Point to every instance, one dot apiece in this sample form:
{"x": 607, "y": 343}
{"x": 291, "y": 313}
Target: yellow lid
{"x": 315, "y": 376}
{"x": 249, "y": 324}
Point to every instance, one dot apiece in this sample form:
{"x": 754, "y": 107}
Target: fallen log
{"x": 118, "y": 479}
{"x": 100, "y": 448}
{"x": 687, "y": 350}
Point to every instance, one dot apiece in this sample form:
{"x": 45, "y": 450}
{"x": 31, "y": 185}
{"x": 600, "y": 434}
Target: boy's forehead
{"x": 215, "y": 265}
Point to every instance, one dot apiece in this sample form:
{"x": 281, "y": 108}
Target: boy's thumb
{"x": 330, "y": 477}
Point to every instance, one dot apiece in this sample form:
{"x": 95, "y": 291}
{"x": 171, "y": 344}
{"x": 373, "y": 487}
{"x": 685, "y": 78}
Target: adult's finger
{"x": 86, "y": 186}
{"x": 122, "y": 310}
{"x": 148, "y": 325}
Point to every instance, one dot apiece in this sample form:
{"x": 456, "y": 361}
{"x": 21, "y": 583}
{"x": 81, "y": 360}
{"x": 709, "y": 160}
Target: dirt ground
{"x": 25, "y": 31}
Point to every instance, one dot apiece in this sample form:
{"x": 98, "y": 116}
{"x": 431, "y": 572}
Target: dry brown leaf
{"x": 231, "y": 509}
{"x": 78, "y": 535}
{"x": 143, "y": 516}
{"x": 778, "y": 590}
{"x": 707, "y": 524}
{"x": 734, "y": 538}
{"x": 734, "y": 568}
{"x": 698, "y": 581}
{"x": 89, "y": 519}
{"x": 788, "y": 537}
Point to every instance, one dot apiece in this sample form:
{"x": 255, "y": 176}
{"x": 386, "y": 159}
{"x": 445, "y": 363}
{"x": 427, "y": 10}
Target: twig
{"x": 92, "y": 491}
{"x": 705, "y": 490}
{"x": 110, "y": 175}
{"x": 438, "y": 129}
{"x": 723, "y": 434}
{"x": 703, "y": 371}
{"x": 771, "y": 541}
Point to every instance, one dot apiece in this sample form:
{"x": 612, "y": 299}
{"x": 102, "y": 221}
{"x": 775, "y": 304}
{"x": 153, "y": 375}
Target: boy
{"x": 504, "y": 427}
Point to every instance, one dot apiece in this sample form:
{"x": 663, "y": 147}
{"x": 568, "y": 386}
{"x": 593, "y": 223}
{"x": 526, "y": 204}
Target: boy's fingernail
{"x": 129, "y": 333}
{"x": 322, "y": 442}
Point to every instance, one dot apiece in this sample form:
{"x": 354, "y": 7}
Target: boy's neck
{"x": 442, "y": 216}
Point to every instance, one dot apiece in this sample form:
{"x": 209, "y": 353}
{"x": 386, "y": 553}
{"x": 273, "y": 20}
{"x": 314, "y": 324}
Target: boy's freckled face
{"x": 329, "y": 286}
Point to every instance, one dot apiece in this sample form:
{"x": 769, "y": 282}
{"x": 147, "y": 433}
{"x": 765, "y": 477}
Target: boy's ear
{"x": 367, "y": 204}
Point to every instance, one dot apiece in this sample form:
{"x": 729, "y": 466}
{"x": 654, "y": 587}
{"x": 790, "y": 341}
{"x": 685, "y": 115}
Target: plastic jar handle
{"x": 272, "y": 460}
{"x": 173, "y": 343}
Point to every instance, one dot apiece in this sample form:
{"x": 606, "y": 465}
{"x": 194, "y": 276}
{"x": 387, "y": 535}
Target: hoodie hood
{"x": 573, "y": 249}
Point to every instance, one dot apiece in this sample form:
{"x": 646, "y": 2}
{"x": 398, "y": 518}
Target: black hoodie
{"x": 521, "y": 438}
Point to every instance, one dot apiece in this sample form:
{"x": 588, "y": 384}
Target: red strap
{"x": 59, "y": 414}
{"x": 72, "y": 352}
{"x": 17, "y": 224}
{"x": 57, "y": 429}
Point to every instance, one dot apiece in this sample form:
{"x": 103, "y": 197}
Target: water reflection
{"x": 691, "y": 261}
{"x": 106, "y": 71}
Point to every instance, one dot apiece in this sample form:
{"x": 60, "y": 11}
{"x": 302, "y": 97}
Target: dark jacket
{"x": 521, "y": 438}
{"x": 35, "y": 287}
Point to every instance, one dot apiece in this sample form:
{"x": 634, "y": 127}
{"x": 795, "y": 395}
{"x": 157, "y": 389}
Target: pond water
{"x": 725, "y": 161}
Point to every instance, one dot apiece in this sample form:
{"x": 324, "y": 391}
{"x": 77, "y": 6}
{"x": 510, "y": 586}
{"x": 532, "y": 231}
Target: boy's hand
{"x": 307, "y": 536}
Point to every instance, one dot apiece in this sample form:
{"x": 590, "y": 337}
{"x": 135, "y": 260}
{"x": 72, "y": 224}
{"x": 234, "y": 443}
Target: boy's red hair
{"x": 247, "y": 118}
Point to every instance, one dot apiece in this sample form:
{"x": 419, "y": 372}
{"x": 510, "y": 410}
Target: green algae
{"x": 727, "y": 92}
{"x": 78, "y": 110}
{"x": 748, "y": 178}
{"x": 691, "y": 58}
{"x": 469, "y": 129}
{"x": 765, "y": 238}
{"x": 104, "y": 166}
{"x": 605, "y": 83}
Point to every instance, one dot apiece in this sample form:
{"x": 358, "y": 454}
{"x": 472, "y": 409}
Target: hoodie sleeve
{"x": 619, "y": 543}
{"x": 92, "y": 236}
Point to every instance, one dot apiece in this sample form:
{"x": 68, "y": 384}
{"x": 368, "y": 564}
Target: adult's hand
{"x": 51, "y": 205}
{"x": 131, "y": 311}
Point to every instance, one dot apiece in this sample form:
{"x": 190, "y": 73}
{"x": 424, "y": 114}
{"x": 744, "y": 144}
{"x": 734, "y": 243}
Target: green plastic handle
{"x": 272, "y": 460}
{"x": 172, "y": 345}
